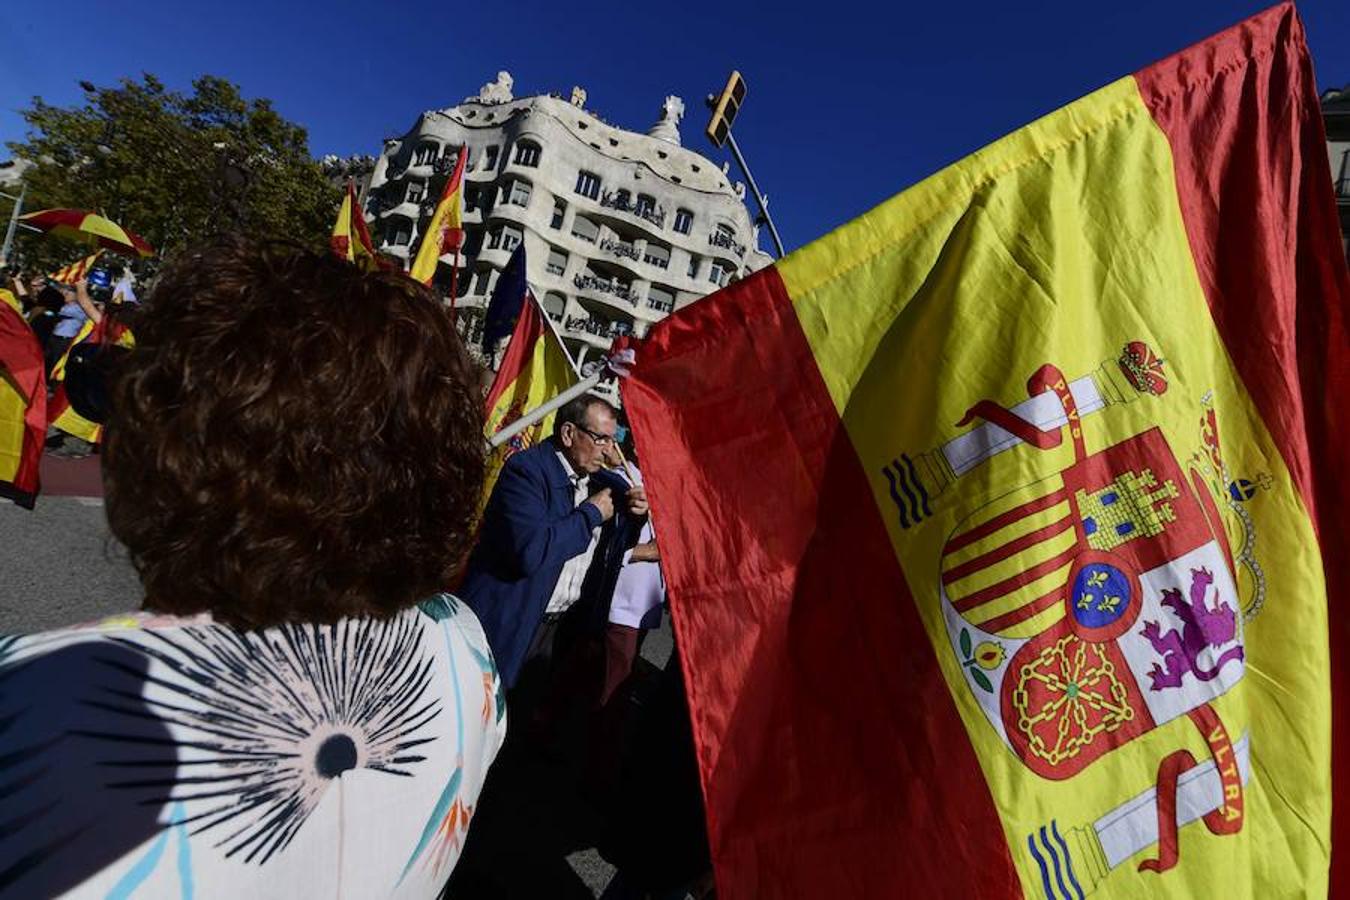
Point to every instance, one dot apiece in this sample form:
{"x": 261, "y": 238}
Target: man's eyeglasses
{"x": 601, "y": 440}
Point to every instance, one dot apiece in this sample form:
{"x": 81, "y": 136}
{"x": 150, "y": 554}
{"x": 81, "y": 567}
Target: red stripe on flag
{"x": 1251, "y": 146}
{"x": 829, "y": 747}
{"x": 998, "y": 554}
{"x": 980, "y": 532}
{"x": 529, "y": 329}
{"x": 1022, "y": 613}
{"x": 1008, "y": 585}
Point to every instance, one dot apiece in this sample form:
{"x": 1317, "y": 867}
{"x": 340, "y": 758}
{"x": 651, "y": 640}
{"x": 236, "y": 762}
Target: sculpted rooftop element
{"x": 498, "y": 91}
{"x": 579, "y": 97}
{"x": 667, "y": 129}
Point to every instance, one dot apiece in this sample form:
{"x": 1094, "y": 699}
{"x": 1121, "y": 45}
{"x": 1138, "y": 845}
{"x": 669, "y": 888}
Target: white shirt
{"x": 640, "y": 590}
{"x": 568, "y": 589}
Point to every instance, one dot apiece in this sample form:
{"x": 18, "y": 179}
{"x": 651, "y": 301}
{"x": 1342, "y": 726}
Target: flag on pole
{"x": 445, "y": 232}
{"x": 77, "y": 270}
{"x": 351, "y": 239}
{"x": 23, "y": 408}
{"x": 999, "y": 524}
{"x": 508, "y": 298}
{"x": 535, "y": 368}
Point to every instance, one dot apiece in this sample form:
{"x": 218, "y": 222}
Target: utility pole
{"x": 725, "y": 106}
{"x": 13, "y": 224}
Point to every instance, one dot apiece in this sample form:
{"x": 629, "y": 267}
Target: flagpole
{"x": 454, "y": 281}
{"x": 539, "y": 412}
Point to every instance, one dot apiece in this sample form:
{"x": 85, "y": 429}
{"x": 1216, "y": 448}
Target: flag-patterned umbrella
{"x": 82, "y": 225}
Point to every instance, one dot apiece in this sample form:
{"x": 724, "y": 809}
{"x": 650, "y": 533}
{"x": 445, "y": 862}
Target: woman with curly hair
{"x": 292, "y": 462}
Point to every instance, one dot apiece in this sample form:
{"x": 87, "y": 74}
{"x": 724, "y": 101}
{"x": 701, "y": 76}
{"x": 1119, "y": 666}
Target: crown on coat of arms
{"x": 1143, "y": 368}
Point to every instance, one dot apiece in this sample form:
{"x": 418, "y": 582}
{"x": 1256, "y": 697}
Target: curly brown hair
{"x": 292, "y": 440}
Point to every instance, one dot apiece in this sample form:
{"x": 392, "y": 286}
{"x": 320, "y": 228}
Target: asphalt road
{"x": 60, "y": 566}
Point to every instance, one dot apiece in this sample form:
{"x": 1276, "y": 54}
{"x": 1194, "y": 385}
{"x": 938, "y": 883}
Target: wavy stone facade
{"x": 620, "y": 228}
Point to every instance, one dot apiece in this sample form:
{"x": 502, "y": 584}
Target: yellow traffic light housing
{"x": 725, "y": 107}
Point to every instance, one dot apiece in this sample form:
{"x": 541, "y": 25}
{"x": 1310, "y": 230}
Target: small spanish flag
{"x": 77, "y": 270}
{"x": 534, "y": 369}
{"x": 445, "y": 232}
{"x": 1003, "y": 525}
{"x": 351, "y": 239}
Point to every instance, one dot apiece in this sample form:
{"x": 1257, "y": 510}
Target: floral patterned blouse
{"x": 150, "y": 756}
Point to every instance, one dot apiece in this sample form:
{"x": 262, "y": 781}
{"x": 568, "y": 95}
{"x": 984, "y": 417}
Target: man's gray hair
{"x": 575, "y": 410}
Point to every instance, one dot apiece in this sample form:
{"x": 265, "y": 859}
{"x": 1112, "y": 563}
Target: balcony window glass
{"x": 416, "y": 191}
{"x": 717, "y": 274}
{"x": 480, "y": 283}
{"x": 559, "y": 210}
{"x": 557, "y": 261}
{"x": 517, "y": 192}
{"x": 684, "y": 220}
{"x": 693, "y": 267}
{"x": 490, "y": 158}
{"x": 426, "y": 154}
{"x": 623, "y": 199}
{"x": 657, "y": 255}
{"x": 585, "y": 229}
{"x": 527, "y": 154}
{"x": 554, "y": 305}
{"x": 588, "y": 184}
{"x": 660, "y": 299}
{"x": 646, "y": 204}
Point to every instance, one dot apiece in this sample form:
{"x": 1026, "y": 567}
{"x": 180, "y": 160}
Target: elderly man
{"x": 539, "y": 534}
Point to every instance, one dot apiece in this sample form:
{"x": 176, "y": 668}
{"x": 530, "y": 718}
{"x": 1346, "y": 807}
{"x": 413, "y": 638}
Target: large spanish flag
{"x": 23, "y": 408}
{"x": 534, "y": 369}
{"x": 1000, "y": 524}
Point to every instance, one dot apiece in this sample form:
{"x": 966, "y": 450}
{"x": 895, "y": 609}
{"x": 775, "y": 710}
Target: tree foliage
{"x": 174, "y": 167}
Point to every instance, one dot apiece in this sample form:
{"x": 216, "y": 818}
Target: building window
{"x": 555, "y": 304}
{"x": 426, "y": 154}
{"x": 481, "y": 282}
{"x": 693, "y": 266}
{"x": 646, "y": 204}
{"x": 585, "y": 229}
{"x": 559, "y": 210}
{"x": 557, "y": 261}
{"x": 504, "y": 237}
{"x": 684, "y": 220}
{"x": 660, "y": 299}
{"x": 657, "y": 255}
{"x": 471, "y": 197}
{"x": 717, "y": 274}
{"x": 527, "y": 154}
{"x": 588, "y": 184}
{"x": 416, "y": 191}
{"x": 516, "y": 192}
{"x": 623, "y": 199}
{"x": 490, "y": 160}
{"x": 473, "y": 241}
{"x": 725, "y": 230}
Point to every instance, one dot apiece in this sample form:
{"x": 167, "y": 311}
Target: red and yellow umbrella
{"x": 82, "y": 225}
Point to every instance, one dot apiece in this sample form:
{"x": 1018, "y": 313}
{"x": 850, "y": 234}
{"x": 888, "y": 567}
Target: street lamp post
{"x": 13, "y": 224}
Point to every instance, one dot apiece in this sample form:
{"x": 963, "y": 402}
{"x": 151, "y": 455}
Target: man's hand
{"x": 637, "y": 500}
{"x": 603, "y": 500}
{"x": 646, "y": 553}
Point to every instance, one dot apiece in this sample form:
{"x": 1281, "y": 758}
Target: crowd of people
{"x": 57, "y": 312}
{"x": 293, "y": 459}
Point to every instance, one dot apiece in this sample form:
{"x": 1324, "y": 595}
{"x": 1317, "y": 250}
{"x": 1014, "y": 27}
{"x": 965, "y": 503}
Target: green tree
{"x": 174, "y": 167}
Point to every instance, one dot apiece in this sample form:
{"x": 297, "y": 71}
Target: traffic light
{"x": 725, "y": 107}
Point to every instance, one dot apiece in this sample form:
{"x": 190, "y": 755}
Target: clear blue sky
{"x": 849, "y": 102}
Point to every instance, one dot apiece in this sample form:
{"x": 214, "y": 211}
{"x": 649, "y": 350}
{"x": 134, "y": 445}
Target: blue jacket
{"x": 531, "y": 526}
